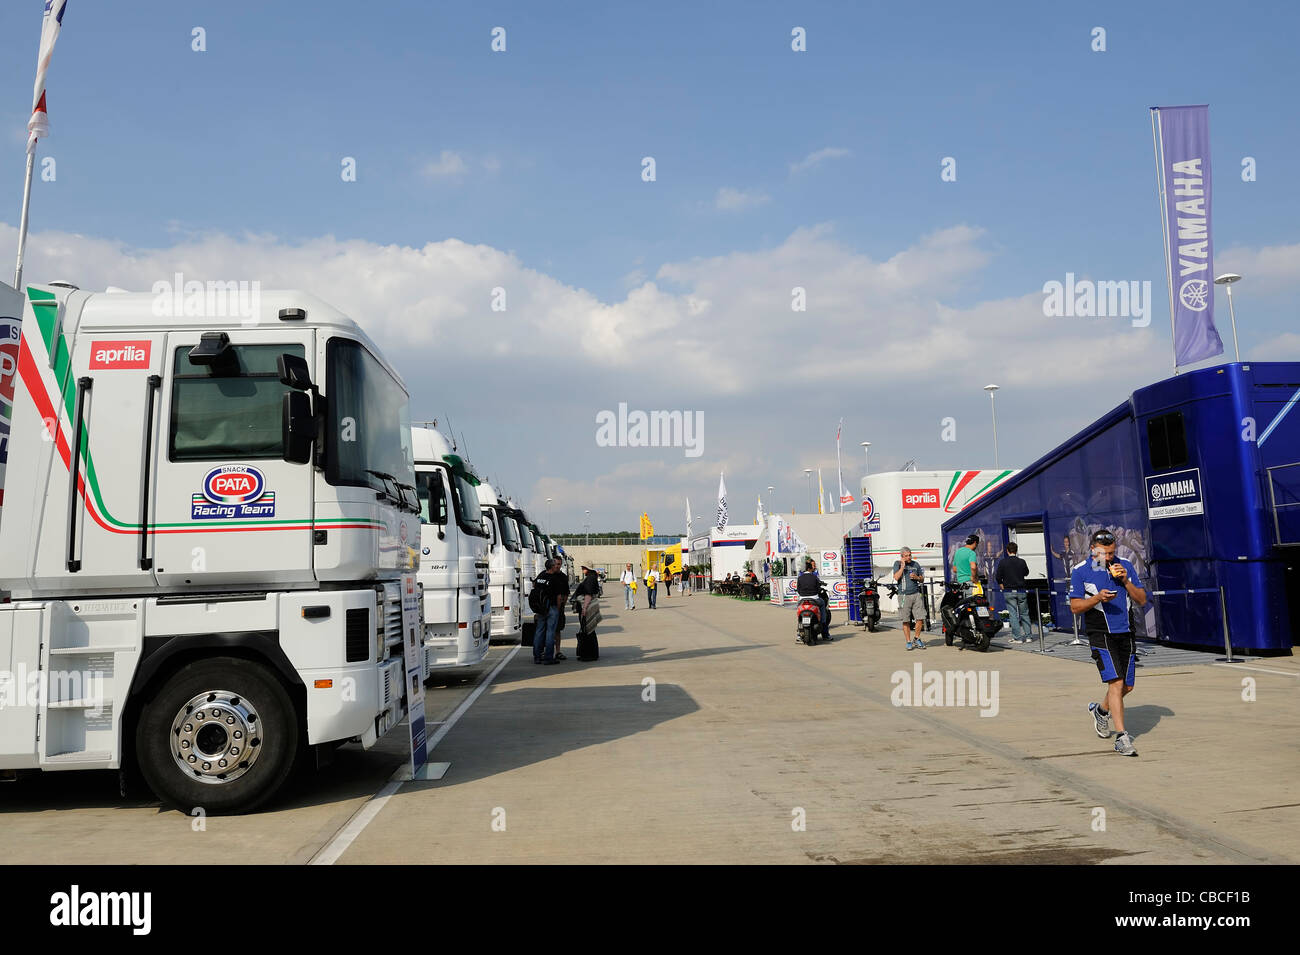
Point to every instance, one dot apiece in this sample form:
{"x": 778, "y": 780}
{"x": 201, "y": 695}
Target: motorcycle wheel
{"x": 948, "y": 627}
{"x": 982, "y": 640}
{"x": 871, "y": 625}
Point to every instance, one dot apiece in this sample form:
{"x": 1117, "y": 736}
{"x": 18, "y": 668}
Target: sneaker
{"x": 920, "y": 644}
{"x": 1100, "y": 720}
{"x": 560, "y": 656}
{"x": 909, "y": 644}
{"x": 1124, "y": 745}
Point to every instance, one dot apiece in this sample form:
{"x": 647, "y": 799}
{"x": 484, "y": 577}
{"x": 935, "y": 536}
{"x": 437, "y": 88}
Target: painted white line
{"x": 343, "y": 839}
{"x": 1242, "y": 666}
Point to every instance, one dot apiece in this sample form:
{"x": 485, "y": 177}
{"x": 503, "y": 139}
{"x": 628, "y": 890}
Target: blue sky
{"x": 536, "y": 152}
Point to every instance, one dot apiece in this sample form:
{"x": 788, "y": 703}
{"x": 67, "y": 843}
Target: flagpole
{"x": 1161, "y": 195}
{"x": 22, "y": 226}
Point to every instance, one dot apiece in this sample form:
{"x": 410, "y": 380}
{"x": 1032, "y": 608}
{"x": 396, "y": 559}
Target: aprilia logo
{"x": 921, "y": 497}
{"x": 112, "y": 355}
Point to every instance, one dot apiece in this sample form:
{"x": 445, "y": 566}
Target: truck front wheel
{"x": 221, "y": 735}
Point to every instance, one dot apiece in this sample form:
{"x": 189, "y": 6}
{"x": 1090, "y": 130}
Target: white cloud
{"x": 891, "y": 344}
{"x": 736, "y": 200}
{"x": 816, "y": 158}
{"x": 448, "y": 165}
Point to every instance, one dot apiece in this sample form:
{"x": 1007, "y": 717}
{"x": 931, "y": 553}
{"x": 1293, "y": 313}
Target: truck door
{"x": 227, "y": 509}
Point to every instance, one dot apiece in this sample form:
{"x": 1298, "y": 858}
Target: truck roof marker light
{"x": 293, "y": 314}
{"x": 323, "y": 684}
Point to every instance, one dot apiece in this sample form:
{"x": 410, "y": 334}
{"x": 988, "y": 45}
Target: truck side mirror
{"x": 293, "y": 372}
{"x": 297, "y": 426}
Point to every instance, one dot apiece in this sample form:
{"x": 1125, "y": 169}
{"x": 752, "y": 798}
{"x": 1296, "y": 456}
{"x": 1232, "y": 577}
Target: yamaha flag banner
{"x": 1183, "y": 153}
{"x": 722, "y": 503}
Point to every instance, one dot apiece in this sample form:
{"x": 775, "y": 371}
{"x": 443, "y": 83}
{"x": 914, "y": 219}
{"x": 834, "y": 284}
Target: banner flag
{"x": 1182, "y": 138}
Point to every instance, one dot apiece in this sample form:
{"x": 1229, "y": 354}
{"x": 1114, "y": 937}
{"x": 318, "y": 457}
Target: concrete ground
{"x": 705, "y": 733}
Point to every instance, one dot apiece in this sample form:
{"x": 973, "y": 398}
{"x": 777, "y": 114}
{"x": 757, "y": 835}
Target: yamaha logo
{"x": 1156, "y": 492}
{"x": 233, "y": 484}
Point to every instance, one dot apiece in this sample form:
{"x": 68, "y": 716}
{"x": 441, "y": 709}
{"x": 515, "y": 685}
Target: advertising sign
{"x": 1177, "y": 494}
{"x": 870, "y": 516}
{"x": 413, "y": 644}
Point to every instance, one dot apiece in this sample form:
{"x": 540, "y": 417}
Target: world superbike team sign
{"x": 1175, "y": 495}
{"x": 230, "y": 491}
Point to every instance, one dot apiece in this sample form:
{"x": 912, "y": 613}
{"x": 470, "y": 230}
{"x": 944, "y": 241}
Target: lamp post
{"x": 807, "y": 472}
{"x": 993, "y": 404}
{"x": 1226, "y": 280}
{"x": 586, "y": 527}
{"x": 548, "y": 513}
{"x": 866, "y": 454}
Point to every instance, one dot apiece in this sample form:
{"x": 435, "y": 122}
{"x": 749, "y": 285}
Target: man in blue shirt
{"x": 1100, "y": 589}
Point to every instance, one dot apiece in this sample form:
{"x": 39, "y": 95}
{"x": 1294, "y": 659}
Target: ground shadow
{"x": 509, "y": 730}
{"x": 1144, "y": 719}
{"x": 611, "y": 656}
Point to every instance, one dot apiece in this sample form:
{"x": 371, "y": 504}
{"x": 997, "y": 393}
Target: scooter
{"x": 808, "y": 619}
{"x": 869, "y": 601}
{"x": 967, "y": 616}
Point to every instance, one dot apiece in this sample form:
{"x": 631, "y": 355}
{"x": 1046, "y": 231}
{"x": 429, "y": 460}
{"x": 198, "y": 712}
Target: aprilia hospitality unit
{"x": 209, "y": 539}
{"x": 1198, "y": 476}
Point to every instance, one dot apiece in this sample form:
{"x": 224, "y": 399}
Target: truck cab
{"x": 208, "y": 538}
{"x": 503, "y": 563}
{"x": 454, "y": 555}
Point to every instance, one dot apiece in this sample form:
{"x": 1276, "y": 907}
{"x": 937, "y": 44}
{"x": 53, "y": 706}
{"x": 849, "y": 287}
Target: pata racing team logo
{"x": 233, "y": 490}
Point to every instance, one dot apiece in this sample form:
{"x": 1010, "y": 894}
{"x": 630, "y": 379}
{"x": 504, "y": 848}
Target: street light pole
{"x": 586, "y": 527}
{"x": 548, "y": 515}
{"x": 807, "y": 472}
{"x": 1226, "y": 280}
{"x": 993, "y": 404}
{"x": 866, "y": 454}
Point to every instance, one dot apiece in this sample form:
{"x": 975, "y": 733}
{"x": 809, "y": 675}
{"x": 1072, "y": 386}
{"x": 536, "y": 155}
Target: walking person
{"x": 651, "y": 585}
{"x": 908, "y": 574}
{"x": 668, "y": 581}
{"x": 556, "y": 588}
{"x": 1100, "y": 589}
{"x": 628, "y": 579}
{"x": 1011, "y": 574}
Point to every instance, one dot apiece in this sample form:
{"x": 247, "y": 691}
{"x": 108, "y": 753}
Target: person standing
{"x": 911, "y": 607}
{"x": 651, "y": 586}
{"x": 556, "y": 589}
{"x": 1011, "y": 573}
{"x": 965, "y": 561}
{"x": 628, "y": 579}
{"x": 1100, "y": 589}
{"x": 668, "y": 580}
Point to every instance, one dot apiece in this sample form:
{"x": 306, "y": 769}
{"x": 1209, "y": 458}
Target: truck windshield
{"x": 468, "y": 513}
{"x": 369, "y": 427}
{"x": 509, "y": 533}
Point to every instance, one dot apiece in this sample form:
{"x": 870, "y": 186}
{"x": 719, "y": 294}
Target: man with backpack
{"x": 549, "y": 592}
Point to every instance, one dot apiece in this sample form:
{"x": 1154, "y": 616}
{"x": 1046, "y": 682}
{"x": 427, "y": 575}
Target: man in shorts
{"x": 1100, "y": 589}
{"x": 911, "y": 606}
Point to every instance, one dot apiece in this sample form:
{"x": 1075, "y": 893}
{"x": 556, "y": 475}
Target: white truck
{"x": 503, "y": 565}
{"x": 528, "y": 570}
{"x": 453, "y": 556}
{"x": 207, "y": 531}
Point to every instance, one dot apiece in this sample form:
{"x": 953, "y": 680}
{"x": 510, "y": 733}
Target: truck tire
{"x": 221, "y": 735}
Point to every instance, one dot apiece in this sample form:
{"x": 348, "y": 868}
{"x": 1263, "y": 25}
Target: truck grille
{"x": 356, "y": 635}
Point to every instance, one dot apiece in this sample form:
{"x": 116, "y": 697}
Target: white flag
{"x": 722, "y": 503}
{"x": 688, "y": 521}
{"x": 846, "y": 499}
{"x": 39, "y": 125}
{"x": 758, "y": 515}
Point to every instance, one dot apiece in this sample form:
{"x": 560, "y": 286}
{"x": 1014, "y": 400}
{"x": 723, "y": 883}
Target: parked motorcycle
{"x": 869, "y": 601}
{"x": 967, "y": 616}
{"x": 808, "y": 618}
